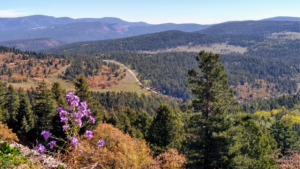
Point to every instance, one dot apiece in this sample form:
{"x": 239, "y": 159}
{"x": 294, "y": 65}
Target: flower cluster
{"x": 46, "y": 134}
{"x": 40, "y": 148}
{"x": 73, "y": 121}
{"x": 75, "y": 117}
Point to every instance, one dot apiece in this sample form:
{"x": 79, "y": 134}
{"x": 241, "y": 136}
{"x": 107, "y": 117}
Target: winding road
{"x": 137, "y": 80}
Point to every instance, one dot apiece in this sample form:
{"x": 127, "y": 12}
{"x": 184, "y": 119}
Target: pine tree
{"x": 214, "y": 101}
{"x": 59, "y": 96}
{"x": 166, "y": 130}
{"x": 2, "y": 100}
{"x": 25, "y": 116}
{"x": 285, "y": 137}
{"x": 44, "y": 108}
{"x": 143, "y": 122}
{"x": 82, "y": 91}
{"x": 11, "y": 107}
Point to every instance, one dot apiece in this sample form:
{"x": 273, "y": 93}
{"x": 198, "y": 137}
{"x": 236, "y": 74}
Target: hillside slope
{"x": 33, "y": 44}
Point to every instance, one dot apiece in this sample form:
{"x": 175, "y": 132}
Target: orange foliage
{"x": 171, "y": 159}
{"x": 6, "y": 134}
{"x": 122, "y": 151}
{"x": 289, "y": 162}
{"x": 119, "y": 150}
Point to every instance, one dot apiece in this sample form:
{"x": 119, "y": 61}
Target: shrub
{"x": 119, "y": 151}
{"x": 6, "y": 134}
{"x": 11, "y": 156}
{"x": 171, "y": 159}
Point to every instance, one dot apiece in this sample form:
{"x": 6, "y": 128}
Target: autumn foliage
{"x": 122, "y": 151}
{"x": 171, "y": 159}
{"x": 6, "y": 134}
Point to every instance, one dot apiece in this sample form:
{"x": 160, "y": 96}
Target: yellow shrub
{"x": 171, "y": 159}
{"x": 119, "y": 150}
{"x": 6, "y": 134}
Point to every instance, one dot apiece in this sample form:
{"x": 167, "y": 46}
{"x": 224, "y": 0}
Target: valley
{"x": 109, "y": 93}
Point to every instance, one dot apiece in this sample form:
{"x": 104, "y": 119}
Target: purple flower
{"x": 78, "y": 121}
{"x": 89, "y": 134}
{"x": 65, "y": 127}
{"x": 101, "y": 143}
{"x": 74, "y": 141}
{"x": 64, "y": 119}
{"x": 52, "y": 143}
{"x": 92, "y": 119}
{"x": 79, "y": 115}
{"x": 83, "y": 104}
{"x": 80, "y": 150}
{"x": 63, "y": 112}
{"x": 70, "y": 96}
{"x": 40, "y": 148}
{"x": 59, "y": 109}
{"x": 46, "y": 134}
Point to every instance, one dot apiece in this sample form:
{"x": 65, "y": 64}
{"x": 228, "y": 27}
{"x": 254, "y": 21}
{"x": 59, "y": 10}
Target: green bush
{"x": 11, "y": 156}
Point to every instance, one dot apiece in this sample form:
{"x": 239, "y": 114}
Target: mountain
{"x": 241, "y": 34}
{"x": 253, "y": 27}
{"x": 282, "y": 18}
{"x": 39, "y": 21}
{"x": 86, "y": 29}
{"x": 33, "y": 44}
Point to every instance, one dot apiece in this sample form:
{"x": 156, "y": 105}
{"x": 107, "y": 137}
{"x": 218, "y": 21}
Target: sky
{"x": 155, "y": 11}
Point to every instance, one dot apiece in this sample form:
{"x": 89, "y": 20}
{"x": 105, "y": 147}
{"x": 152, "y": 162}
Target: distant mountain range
{"x": 241, "y": 34}
{"x": 23, "y": 32}
{"x": 74, "y": 30}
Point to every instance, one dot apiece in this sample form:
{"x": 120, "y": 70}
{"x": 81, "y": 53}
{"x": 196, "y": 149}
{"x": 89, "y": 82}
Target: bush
{"x": 119, "y": 151}
{"x": 6, "y": 134}
{"x": 11, "y": 156}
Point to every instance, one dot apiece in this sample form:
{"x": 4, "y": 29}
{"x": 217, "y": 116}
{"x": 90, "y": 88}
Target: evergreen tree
{"x": 59, "y": 95}
{"x": 214, "y": 100}
{"x": 82, "y": 91}
{"x": 143, "y": 122}
{"x": 44, "y": 108}
{"x": 11, "y": 107}
{"x": 2, "y": 100}
{"x": 166, "y": 130}
{"x": 285, "y": 137}
{"x": 25, "y": 116}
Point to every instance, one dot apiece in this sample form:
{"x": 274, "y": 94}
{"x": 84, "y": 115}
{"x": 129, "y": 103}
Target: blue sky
{"x": 155, "y": 11}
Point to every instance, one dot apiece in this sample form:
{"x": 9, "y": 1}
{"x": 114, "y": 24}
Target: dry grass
{"x": 222, "y": 48}
{"x": 127, "y": 84}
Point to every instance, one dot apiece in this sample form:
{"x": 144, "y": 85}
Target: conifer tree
{"x": 11, "y": 107}
{"x": 25, "y": 116}
{"x": 214, "y": 100}
{"x": 143, "y": 122}
{"x": 2, "y": 100}
{"x": 166, "y": 130}
{"x": 285, "y": 137}
{"x": 82, "y": 91}
{"x": 44, "y": 108}
{"x": 59, "y": 95}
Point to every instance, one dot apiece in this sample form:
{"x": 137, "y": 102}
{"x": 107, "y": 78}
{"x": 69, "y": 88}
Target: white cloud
{"x": 11, "y": 13}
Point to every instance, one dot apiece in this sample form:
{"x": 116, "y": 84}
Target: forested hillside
{"x": 253, "y": 27}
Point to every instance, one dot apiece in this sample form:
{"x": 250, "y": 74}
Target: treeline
{"x": 87, "y": 66}
{"x": 148, "y": 42}
{"x": 288, "y": 101}
{"x": 253, "y": 27}
{"x": 30, "y": 54}
{"x": 150, "y": 103}
{"x": 30, "y": 112}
